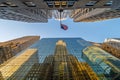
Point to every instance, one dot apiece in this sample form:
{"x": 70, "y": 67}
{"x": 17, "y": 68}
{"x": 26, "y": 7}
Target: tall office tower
{"x": 39, "y": 10}
{"x": 11, "y": 48}
{"x": 94, "y": 14}
{"x": 112, "y": 46}
{"x": 18, "y": 67}
{"x": 46, "y": 46}
{"x": 61, "y": 66}
{"x": 60, "y": 16}
{"x": 104, "y": 64}
{"x": 26, "y": 11}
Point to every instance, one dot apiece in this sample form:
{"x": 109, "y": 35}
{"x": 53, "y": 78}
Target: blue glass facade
{"x": 46, "y": 46}
{"x": 101, "y": 62}
{"x": 106, "y": 66}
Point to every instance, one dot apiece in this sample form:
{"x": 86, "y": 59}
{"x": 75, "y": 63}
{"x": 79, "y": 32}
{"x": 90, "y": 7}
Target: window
{"x": 3, "y": 5}
{"x": 91, "y": 3}
{"x": 30, "y": 4}
{"x": 10, "y": 4}
{"x": 108, "y": 3}
{"x": 71, "y": 3}
{"x": 50, "y": 4}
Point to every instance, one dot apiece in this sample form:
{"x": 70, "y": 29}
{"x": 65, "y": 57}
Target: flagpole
{"x": 60, "y": 18}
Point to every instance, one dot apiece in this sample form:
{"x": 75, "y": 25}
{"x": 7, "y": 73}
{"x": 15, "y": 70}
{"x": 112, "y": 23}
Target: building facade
{"x": 10, "y": 48}
{"x": 61, "y": 16}
{"x": 17, "y": 68}
{"x": 106, "y": 66}
{"x": 112, "y": 46}
{"x": 25, "y": 11}
{"x": 94, "y": 14}
{"x": 61, "y": 66}
{"x": 40, "y": 10}
{"x": 61, "y": 59}
{"x": 116, "y": 4}
{"x": 74, "y": 46}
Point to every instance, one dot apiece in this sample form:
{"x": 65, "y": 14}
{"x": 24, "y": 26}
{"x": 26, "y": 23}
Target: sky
{"x": 90, "y": 31}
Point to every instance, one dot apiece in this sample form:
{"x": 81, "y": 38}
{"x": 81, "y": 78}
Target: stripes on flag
{"x": 65, "y": 27}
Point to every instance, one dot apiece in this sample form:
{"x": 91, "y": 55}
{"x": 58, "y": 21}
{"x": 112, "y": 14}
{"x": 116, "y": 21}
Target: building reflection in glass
{"x": 18, "y": 66}
{"x": 104, "y": 64}
{"x": 61, "y": 66}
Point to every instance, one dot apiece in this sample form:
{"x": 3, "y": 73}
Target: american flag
{"x": 65, "y": 27}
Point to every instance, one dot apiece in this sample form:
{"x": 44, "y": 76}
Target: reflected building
{"x": 74, "y": 46}
{"x": 10, "y": 48}
{"x": 112, "y": 45}
{"x": 18, "y": 66}
{"x": 61, "y": 59}
{"x": 61, "y": 66}
{"x": 106, "y": 66}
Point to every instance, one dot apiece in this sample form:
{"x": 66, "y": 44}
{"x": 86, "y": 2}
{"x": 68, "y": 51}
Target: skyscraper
{"x": 62, "y": 59}
{"x": 94, "y": 14}
{"x": 61, "y": 66}
{"x": 40, "y": 10}
{"x": 26, "y": 11}
{"x": 46, "y": 46}
{"x": 10, "y": 48}
{"x": 18, "y": 66}
{"x": 106, "y": 66}
{"x": 112, "y": 45}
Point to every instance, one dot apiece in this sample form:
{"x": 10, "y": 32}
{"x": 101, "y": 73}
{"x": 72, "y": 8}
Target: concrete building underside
{"x": 33, "y": 11}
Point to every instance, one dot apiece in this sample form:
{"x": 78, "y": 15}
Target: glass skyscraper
{"x": 62, "y": 59}
{"x": 46, "y": 46}
{"x": 106, "y": 66}
{"x": 61, "y": 66}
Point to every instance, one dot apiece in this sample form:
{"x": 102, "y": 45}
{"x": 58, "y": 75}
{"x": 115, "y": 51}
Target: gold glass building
{"x": 19, "y": 65}
{"x": 10, "y": 48}
{"x": 61, "y": 66}
{"x": 62, "y": 59}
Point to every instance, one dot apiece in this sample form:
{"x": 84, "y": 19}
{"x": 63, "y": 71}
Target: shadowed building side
{"x": 39, "y": 11}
